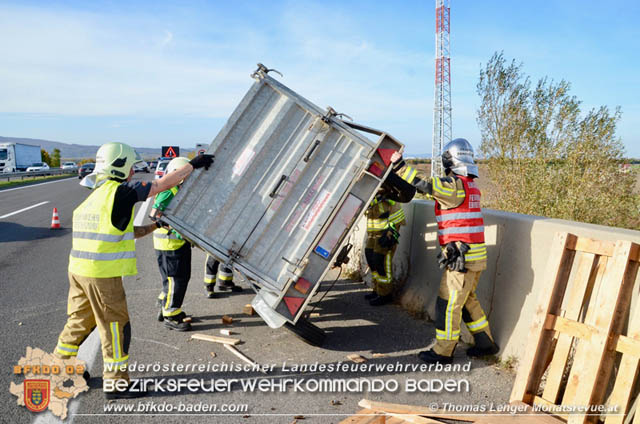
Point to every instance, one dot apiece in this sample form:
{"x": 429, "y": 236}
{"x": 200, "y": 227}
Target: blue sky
{"x": 157, "y": 73}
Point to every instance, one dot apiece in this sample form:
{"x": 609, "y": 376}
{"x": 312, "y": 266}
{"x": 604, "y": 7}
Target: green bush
{"x": 545, "y": 157}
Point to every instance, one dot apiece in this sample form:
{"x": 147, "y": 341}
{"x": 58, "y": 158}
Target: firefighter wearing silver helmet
{"x": 103, "y": 251}
{"x": 174, "y": 260}
{"x": 463, "y": 254}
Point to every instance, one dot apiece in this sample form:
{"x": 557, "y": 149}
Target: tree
{"x": 45, "y": 157}
{"x": 545, "y": 157}
{"x": 55, "y": 160}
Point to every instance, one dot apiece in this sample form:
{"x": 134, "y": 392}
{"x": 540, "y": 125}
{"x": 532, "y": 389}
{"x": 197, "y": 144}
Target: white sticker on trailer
{"x": 243, "y": 161}
{"x": 314, "y": 212}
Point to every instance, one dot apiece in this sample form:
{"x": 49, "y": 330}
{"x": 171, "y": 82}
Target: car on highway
{"x": 69, "y": 166}
{"x": 141, "y": 167}
{"x": 86, "y": 169}
{"x": 38, "y": 167}
{"x": 162, "y": 166}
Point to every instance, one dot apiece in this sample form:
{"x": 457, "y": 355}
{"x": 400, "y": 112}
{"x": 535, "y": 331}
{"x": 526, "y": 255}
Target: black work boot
{"x": 430, "y": 357}
{"x": 484, "y": 346}
{"x": 177, "y": 322}
{"x": 230, "y": 286}
{"x": 209, "y": 291}
{"x": 159, "y": 316}
{"x": 371, "y": 296}
{"x": 381, "y": 300}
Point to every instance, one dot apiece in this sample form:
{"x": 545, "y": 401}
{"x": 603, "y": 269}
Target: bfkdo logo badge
{"x": 36, "y": 394}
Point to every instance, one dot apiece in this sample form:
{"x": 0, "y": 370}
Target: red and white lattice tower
{"x": 442, "y": 93}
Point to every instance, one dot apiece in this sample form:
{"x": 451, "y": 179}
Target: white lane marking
{"x": 90, "y": 348}
{"x": 88, "y": 352}
{"x": 24, "y": 209}
{"x": 36, "y": 185}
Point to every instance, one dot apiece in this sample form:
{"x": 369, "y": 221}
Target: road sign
{"x": 170, "y": 151}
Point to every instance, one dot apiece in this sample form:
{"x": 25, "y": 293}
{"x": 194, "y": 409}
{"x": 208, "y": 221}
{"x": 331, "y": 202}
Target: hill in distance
{"x": 81, "y": 151}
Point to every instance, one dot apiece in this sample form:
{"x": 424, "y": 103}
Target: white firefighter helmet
{"x": 457, "y": 155}
{"x": 115, "y": 160}
{"x": 176, "y": 163}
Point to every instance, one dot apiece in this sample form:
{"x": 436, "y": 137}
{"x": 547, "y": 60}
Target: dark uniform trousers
{"x": 175, "y": 269}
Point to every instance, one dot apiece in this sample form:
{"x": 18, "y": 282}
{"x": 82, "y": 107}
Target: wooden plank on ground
{"x": 555, "y": 282}
{"x": 595, "y": 357}
{"x": 628, "y": 368}
{"x": 582, "y": 283}
{"x": 396, "y": 408}
{"x": 215, "y": 339}
{"x": 363, "y": 416}
{"x": 526, "y": 417}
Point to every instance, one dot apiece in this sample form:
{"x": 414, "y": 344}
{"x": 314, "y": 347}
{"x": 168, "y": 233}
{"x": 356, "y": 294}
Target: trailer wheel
{"x": 307, "y": 332}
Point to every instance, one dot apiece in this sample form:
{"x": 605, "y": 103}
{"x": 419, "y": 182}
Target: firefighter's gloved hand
{"x": 389, "y": 238}
{"x": 459, "y": 265}
{"x": 448, "y": 255}
{"x": 202, "y": 161}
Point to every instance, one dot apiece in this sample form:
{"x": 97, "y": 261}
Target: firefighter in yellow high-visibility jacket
{"x": 103, "y": 252}
{"x": 384, "y": 219}
{"x": 174, "y": 260}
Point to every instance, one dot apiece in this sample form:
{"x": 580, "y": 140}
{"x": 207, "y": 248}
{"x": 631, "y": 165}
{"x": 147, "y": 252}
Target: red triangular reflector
{"x": 385, "y": 154}
{"x": 293, "y": 304}
{"x": 170, "y": 153}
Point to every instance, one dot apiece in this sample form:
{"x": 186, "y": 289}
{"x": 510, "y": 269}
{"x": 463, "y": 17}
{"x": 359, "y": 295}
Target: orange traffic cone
{"x": 55, "y": 220}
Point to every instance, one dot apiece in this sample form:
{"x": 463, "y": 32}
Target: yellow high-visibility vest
{"x": 100, "y": 250}
{"x": 164, "y": 239}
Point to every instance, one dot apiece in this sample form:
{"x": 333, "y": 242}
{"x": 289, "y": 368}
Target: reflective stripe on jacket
{"x": 392, "y": 212}
{"x": 463, "y": 223}
{"x": 164, "y": 239}
{"x": 100, "y": 250}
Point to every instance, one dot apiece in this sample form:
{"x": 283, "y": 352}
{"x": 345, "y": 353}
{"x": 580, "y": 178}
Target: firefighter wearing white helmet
{"x": 103, "y": 252}
{"x": 463, "y": 254}
{"x": 174, "y": 260}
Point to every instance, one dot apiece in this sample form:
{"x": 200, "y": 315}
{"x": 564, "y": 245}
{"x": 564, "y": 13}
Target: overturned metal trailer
{"x": 289, "y": 182}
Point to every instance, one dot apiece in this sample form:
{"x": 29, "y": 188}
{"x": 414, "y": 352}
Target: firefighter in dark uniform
{"x": 103, "y": 252}
{"x": 217, "y": 273}
{"x": 384, "y": 219}
{"x": 174, "y": 260}
{"x": 463, "y": 254}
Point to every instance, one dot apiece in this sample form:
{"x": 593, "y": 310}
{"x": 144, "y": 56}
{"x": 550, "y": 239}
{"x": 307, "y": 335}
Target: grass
{"x": 508, "y": 364}
{"x": 34, "y": 180}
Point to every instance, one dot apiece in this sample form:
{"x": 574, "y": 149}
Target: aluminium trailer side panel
{"x": 283, "y": 173}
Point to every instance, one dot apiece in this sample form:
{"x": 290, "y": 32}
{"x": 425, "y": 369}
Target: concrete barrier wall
{"x": 518, "y": 249}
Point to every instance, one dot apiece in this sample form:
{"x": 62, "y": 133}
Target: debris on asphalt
{"x": 379, "y": 355}
{"x": 226, "y": 319}
{"x": 248, "y": 310}
{"x": 226, "y": 332}
{"x": 356, "y": 358}
{"x": 216, "y": 339}
{"x": 242, "y": 356}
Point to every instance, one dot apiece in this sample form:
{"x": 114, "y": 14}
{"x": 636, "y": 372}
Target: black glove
{"x": 389, "y": 238}
{"x": 448, "y": 256}
{"x": 459, "y": 264}
{"x": 201, "y": 161}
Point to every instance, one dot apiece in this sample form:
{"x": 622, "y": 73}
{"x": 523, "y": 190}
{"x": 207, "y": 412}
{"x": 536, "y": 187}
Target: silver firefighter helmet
{"x": 457, "y": 155}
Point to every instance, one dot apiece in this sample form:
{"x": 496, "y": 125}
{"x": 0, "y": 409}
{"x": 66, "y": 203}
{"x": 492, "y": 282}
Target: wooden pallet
{"x": 393, "y": 413}
{"x": 583, "y": 309}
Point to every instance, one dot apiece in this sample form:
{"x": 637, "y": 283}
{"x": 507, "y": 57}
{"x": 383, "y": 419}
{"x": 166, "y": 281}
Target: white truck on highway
{"x": 16, "y": 157}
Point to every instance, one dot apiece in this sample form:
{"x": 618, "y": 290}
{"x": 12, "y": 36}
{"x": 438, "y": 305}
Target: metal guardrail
{"x": 22, "y": 175}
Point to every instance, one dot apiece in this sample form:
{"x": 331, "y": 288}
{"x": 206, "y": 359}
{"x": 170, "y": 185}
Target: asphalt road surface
{"x": 33, "y": 275}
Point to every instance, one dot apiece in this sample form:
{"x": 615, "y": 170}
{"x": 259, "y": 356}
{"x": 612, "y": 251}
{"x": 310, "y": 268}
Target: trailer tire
{"x": 307, "y": 332}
